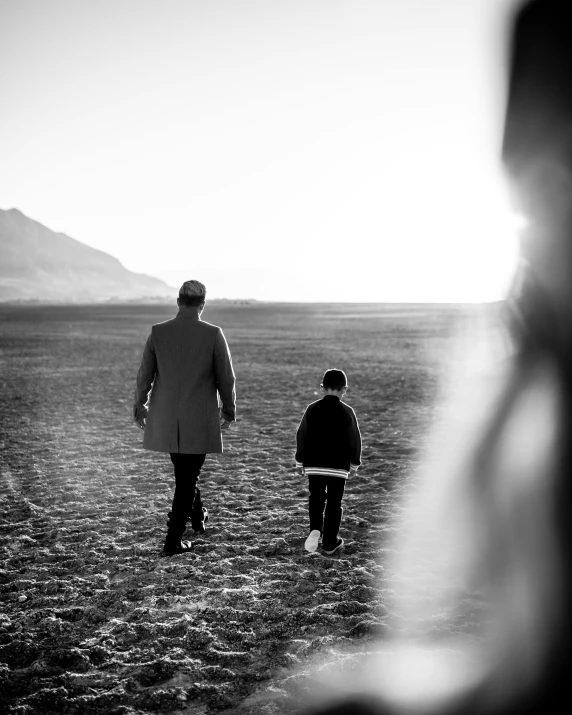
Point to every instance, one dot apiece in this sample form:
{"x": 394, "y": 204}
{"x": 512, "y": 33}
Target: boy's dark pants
{"x": 326, "y": 492}
{"x": 187, "y": 501}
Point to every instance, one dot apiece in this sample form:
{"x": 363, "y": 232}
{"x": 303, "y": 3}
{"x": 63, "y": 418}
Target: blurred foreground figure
{"x": 186, "y": 361}
{"x": 499, "y": 530}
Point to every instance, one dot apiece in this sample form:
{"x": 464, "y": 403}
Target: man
{"x": 186, "y": 361}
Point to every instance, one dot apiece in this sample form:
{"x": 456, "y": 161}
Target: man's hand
{"x": 224, "y": 424}
{"x": 140, "y": 416}
{"x": 300, "y": 470}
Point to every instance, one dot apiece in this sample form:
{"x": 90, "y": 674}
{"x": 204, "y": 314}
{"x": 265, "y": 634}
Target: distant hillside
{"x": 39, "y": 264}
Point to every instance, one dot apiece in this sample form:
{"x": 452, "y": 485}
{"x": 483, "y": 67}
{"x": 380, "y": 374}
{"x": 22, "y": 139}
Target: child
{"x": 328, "y": 449}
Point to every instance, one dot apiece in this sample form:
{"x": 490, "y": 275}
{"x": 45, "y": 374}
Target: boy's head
{"x": 334, "y": 381}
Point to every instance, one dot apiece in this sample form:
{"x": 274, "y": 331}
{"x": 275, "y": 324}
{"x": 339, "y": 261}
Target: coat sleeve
{"x": 355, "y": 442}
{"x": 301, "y": 434}
{"x": 145, "y": 379}
{"x": 225, "y": 378}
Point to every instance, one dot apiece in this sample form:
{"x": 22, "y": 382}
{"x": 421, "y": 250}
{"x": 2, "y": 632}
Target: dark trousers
{"x": 325, "y": 507}
{"x": 187, "y": 503}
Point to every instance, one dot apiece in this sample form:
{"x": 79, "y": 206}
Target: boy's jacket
{"x": 328, "y": 438}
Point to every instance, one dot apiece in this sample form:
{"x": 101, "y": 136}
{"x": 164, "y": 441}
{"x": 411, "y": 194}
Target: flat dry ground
{"x": 94, "y": 619}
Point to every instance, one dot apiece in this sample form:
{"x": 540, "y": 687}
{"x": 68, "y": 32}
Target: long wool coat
{"x": 186, "y": 361}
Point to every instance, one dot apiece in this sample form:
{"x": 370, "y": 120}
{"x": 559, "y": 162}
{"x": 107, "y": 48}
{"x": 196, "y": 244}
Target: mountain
{"x": 39, "y": 264}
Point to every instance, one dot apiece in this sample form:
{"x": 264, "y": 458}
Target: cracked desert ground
{"x": 94, "y": 619}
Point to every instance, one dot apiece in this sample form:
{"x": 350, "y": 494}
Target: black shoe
{"x": 337, "y": 547}
{"x": 182, "y": 547}
{"x": 200, "y": 528}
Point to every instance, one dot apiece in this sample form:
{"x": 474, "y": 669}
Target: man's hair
{"x": 192, "y": 293}
{"x": 334, "y": 380}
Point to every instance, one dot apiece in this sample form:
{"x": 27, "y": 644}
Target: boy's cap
{"x": 193, "y": 289}
{"x": 335, "y": 379}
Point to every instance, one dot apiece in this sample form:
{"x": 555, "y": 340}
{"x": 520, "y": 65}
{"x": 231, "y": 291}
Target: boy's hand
{"x": 224, "y": 424}
{"x": 300, "y": 471}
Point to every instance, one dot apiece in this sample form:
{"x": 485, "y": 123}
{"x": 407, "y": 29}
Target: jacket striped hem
{"x": 327, "y": 472}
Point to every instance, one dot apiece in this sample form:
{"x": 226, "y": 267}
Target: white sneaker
{"x": 312, "y": 541}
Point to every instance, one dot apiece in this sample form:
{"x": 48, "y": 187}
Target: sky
{"x": 288, "y": 150}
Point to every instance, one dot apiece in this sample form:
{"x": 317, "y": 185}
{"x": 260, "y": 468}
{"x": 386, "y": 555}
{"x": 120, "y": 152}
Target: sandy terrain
{"x": 94, "y": 619}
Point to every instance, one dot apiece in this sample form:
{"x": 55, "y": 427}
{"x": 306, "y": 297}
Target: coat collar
{"x": 188, "y": 313}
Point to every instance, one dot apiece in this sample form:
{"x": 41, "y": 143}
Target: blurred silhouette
{"x": 493, "y": 516}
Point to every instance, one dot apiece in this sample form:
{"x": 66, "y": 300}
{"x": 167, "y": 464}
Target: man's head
{"x": 192, "y": 294}
{"x": 334, "y": 382}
